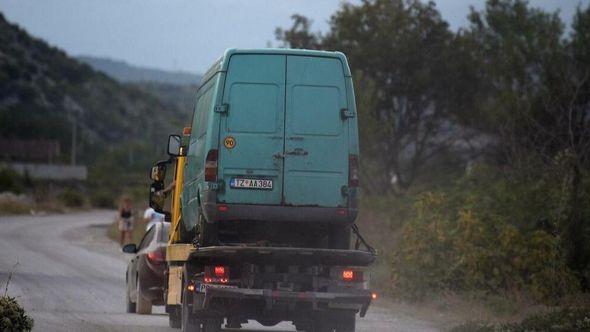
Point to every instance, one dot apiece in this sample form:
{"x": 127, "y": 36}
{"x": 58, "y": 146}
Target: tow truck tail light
{"x": 211, "y": 166}
{"x": 351, "y": 275}
{"x": 353, "y": 171}
{"x": 348, "y": 275}
{"x": 219, "y": 271}
{"x": 216, "y": 274}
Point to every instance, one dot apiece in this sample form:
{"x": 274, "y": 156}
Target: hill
{"x": 44, "y": 93}
{"x": 126, "y": 73}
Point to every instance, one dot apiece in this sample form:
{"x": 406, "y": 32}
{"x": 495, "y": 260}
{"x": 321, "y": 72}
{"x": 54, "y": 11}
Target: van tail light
{"x": 353, "y": 170}
{"x": 157, "y": 256}
{"x": 211, "y": 166}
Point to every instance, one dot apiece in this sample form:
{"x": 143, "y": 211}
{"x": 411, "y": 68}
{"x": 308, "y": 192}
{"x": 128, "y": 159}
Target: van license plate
{"x": 241, "y": 183}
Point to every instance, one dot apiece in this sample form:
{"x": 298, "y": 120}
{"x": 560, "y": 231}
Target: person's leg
{"x": 121, "y": 237}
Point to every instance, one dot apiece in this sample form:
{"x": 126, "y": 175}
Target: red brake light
{"x": 211, "y": 166}
{"x": 347, "y": 275}
{"x": 353, "y": 170}
{"x": 156, "y": 256}
{"x": 217, "y": 274}
{"x": 219, "y": 271}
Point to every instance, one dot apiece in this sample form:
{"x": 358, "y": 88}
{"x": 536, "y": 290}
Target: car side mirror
{"x": 174, "y": 142}
{"x": 130, "y": 248}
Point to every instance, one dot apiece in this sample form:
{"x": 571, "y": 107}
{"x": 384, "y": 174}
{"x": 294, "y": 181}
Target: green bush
{"x": 474, "y": 327}
{"x": 8, "y": 207}
{"x": 71, "y": 198}
{"x": 13, "y": 316}
{"x": 103, "y": 199}
{"x": 10, "y": 181}
{"x": 480, "y": 237}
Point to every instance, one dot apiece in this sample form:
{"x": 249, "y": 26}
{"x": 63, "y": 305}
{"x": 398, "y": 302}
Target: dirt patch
{"x": 94, "y": 238}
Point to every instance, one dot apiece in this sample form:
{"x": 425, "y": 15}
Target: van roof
{"x": 223, "y": 62}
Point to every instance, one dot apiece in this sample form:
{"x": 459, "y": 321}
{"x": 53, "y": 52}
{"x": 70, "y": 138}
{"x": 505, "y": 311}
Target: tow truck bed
{"x": 300, "y": 256}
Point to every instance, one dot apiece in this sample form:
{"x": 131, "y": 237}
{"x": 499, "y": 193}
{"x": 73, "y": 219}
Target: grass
{"x": 563, "y": 319}
{"x": 15, "y": 207}
{"x": 380, "y": 221}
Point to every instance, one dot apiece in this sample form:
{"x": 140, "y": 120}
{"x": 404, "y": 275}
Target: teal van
{"x": 273, "y": 152}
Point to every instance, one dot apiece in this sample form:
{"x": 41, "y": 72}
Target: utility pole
{"x": 74, "y": 138}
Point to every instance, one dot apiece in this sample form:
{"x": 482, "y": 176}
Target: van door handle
{"x": 278, "y": 155}
{"x": 297, "y": 152}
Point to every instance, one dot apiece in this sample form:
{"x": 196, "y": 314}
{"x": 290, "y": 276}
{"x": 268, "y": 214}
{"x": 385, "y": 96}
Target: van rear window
{"x": 256, "y": 111}
{"x": 320, "y": 103}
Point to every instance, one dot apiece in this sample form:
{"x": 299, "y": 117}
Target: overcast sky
{"x": 189, "y": 34}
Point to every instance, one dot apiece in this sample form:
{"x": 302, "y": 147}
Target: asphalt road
{"x": 70, "y": 277}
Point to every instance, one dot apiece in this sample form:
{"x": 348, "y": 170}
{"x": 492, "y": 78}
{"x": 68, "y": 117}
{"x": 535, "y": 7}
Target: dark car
{"x": 145, "y": 272}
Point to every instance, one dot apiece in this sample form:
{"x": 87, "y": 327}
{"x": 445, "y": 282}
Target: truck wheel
{"x": 346, "y": 322}
{"x": 339, "y": 237}
{"x": 207, "y": 232}
{"x": 268, "y": 322}
{"x": 143, "y": 305}
{"x": 186, "y": 236}
{"x": 211, "y": 325}
{"x": 174, "y": 318}
{"x": 321, "y": 324}
{"x": 234, "y": 323}
{"x": 130, "y": 305}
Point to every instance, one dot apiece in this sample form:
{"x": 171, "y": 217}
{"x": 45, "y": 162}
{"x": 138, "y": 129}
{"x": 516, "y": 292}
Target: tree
{"x": 298, "y": 36}
{"x": 409, "y": 85}
{"x": 537, "y": 98}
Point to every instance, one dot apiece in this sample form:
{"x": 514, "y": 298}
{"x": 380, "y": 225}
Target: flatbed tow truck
{"x": 316, "y": 289}
{"x": 261, "y": 219}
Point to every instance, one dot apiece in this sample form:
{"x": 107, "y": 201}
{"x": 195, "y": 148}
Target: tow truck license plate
{"x": 241, "y": 183}
{"x": 202, "y": 287}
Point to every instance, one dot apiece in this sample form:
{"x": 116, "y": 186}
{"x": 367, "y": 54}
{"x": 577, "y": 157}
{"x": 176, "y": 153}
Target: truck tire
{"x": 268, "y": 322}
{"x": 320, "y": 324}
{"x": 143, "y": 304}
{"x": 346, "y": 322}
{"x": 207, "y": 232}
{"x": 186, "y": 236}
{"x": 174, "y": 318}
{"x": 339, "y": 237}
{"x": 211, "y": 325}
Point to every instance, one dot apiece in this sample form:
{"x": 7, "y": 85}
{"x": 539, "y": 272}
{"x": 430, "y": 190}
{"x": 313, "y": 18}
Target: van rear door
{"x": 252, "y": 131}
{"x": 316, "y": 134}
